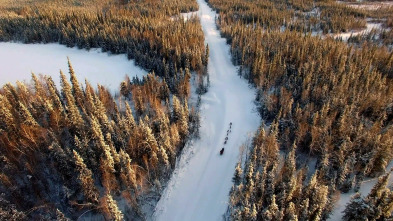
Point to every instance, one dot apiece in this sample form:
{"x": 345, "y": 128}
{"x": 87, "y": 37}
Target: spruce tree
{"x": 290, "y": 212}
{"x": 85, "y": 177}
{"x": 177, "y": 110}
{"x": 127, "y": 174}
{"x": 75, "y": 118}
{"x": 7, "y": 121}
{"x": 129, "y": 117}
{"x": 39, "y": 90}
{"x": 25, "y": 115}
{"x": 54, "y": 94}
{"x": 112, "y": 209}
{"x": 238, "y": 175}
{"x": 76, "y": 89}
{"x": 356, "y": 209}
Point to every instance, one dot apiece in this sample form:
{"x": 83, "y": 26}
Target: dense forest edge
{"x": 76, "y": 151}
{"x": 146, "y": 31}
{"x": 320, "y": 99}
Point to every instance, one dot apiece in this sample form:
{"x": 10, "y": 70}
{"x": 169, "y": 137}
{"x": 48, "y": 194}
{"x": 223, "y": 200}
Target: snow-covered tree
{"x": 76, "y": 89}
{"x": 356, "y": 209}
{"x": 112, "y": 210}
{"x": 238, "y": 174}
{"x": 85, "y": 177}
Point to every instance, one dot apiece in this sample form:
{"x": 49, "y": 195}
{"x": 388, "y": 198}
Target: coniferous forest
{"x": 142, "y": 30}
{"x": 77, "y": 148}
{"x": 322, "y": 99}
{"x": 75, "y": 151}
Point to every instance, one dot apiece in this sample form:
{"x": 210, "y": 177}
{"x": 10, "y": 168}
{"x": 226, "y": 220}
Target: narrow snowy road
{"x": 199, "y": 187}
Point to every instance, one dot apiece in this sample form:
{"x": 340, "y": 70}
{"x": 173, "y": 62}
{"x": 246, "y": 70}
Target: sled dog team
{"x": 226, "y": 138}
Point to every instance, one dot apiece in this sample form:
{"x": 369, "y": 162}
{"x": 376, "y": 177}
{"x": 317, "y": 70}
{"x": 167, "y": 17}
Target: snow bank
{"x": 17, "y": 61}
{"x": 199, "y": 188}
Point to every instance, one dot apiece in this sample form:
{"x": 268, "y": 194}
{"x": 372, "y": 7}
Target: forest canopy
{"x": 320, "y": 98}
{"x": 74, "y": 150}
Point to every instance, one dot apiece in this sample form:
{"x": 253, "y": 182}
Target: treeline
{"x": 331, "y": 101}
{"x": 142, "y": 30}
{"x": 79, "y": 152}
{"x": 303, "y": 16}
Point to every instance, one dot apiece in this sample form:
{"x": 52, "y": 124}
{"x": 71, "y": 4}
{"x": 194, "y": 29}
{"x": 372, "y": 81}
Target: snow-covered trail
{"x": 199, "y": 186}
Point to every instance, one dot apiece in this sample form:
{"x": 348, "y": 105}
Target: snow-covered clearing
{"x": 200, "y": 184}
{"x": 370, "y": 26}
{"x": 372, "y": 6}
{"x": 18, "y": 61}
{"x": 185, "y": 16}
{"x": 365, "y": 189}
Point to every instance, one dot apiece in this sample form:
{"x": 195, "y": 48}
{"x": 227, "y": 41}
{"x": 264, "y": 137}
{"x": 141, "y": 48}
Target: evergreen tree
{"x": 124, "y": 89}
{"x": 379, "y": 187}
{"x": 76, "y": 89}
{"x": 356, "y": 209}
{"x": 129, "y": 117}
{"x": 54, "y": 94}
{"x": 39, "y": 90}
{"x": 75, "y": 118}
{"x": 85, "y": 177}
{"x": 304, "y": 212}
{"x": 290, "y": 212}
{"x": 238, "y": 175}
{"x": 25, "y": 115}
{"x": 206, "y": 58}
{"x": 126, "y": 172}
{"x": 177, "y": 110}
{"x": 183, "y": 124}
{"x": 272, "y": 212}
{"x": 7, "y": 121}
{"x": 113, "y": 211}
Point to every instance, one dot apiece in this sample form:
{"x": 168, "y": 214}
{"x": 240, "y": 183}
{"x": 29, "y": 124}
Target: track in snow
{"x": 200, "y": 185}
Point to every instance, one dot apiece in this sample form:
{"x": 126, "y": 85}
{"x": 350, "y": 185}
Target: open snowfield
{"x": 17, "y": 61}
{"x": 200, "y": 185}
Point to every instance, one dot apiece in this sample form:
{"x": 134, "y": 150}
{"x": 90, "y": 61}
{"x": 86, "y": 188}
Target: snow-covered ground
{"x": 17, "y": 61}
{"x": 370, "y": 26}
{"x": 372, "y": 6}
{"x": 200, "y": 184}
{"x": 365, "y": 189}
{"x": 185, "y": 16}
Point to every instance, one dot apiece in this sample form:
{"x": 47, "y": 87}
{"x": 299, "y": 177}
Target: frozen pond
{"x": 18, "y": 61}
